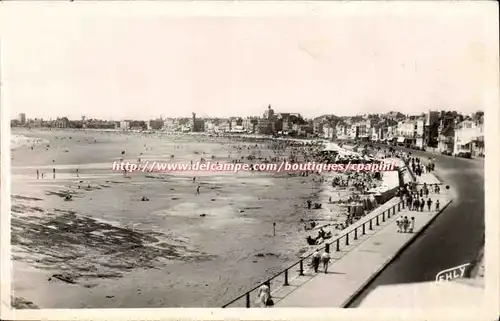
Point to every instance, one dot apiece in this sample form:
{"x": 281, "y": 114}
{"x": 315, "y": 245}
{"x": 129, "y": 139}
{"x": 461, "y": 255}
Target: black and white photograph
{"x": 249, "y": 155}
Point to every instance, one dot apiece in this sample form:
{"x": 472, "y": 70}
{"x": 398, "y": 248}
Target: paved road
{"x": 454, "y": 238}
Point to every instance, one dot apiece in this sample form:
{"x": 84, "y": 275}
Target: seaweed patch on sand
{"x": 80, "y": 248}
{"x": 21, "y": 303}
{"x": 25, "y": 198}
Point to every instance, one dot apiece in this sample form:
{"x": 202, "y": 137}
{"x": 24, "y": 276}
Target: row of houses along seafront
{"x": 446, "y": 132}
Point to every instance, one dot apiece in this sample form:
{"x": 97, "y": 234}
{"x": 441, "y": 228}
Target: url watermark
{"x": 156, "y": 166}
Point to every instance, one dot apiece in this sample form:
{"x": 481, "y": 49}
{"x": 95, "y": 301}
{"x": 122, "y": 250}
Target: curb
{"x": 356, "y": 294}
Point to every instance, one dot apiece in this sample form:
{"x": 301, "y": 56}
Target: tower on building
{"x": 22, "y": 118}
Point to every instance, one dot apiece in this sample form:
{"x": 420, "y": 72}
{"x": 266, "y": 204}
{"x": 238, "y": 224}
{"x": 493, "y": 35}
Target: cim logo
{"x": 453, "y": 273}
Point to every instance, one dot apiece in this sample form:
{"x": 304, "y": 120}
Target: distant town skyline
{"x": 89, "y": 117}
{"x": 96, "y": 63}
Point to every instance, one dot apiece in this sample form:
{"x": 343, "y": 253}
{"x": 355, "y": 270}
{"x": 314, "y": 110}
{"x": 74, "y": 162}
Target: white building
{"x": 328, "y": 132}
{"x": 469, "y": 137}
{"x": 224, "y": 126}
{"x": 234, "y": 123}
{"x": 124, "y": 125}
{"x": 342, "y": 131}
{"x": 169, "y": 124}
{"x": 411, "y": 131}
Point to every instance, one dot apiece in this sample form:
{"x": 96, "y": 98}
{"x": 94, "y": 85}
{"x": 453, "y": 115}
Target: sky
{"x": 145, "y": 60}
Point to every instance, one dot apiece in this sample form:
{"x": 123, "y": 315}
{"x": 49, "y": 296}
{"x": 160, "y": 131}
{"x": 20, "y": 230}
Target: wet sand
{"x": 106, "y": 248}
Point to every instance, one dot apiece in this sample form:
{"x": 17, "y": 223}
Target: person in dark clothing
{"x": 316, "y": 257}
{"x": 429, "y": 203}
{"x": 309, "y": 203}
{"x": 416, "y": 204}
{"x": 422, "y": 204}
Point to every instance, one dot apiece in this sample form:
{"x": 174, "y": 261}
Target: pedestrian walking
{"x": 77, "y": 173}
{"x": 264, "y": 295}
{"x": 412, "y": 225}
{"x": 429, "y": 203}
{"x": 325, "y": 258}
{"x": 437, "y": 205}
{"x": 54, "y": 172}
{"x": 422, "y": 204}
{"x": 405, "y": 224}
{"x": 316, "y": 257}
{"x": 37, "y": 174}
{"x": 198, "y": 190}
{"x": 416, "y": 205}
{"x": 309, "y": 203}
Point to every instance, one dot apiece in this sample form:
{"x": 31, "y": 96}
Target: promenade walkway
{"x": 355, "y": 265}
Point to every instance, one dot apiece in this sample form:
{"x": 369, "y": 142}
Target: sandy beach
{"x": 105, "y": 248}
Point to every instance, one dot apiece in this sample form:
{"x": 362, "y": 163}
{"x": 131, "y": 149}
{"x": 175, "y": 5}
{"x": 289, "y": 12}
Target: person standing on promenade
{"x": 405, "y": 224}
{"x": 54, "y": 173}
{"x": 37, "y": 174}
{"x": 437, "y": 205}
{"x": 416, "y": 204}
{"x": 399, "y": 223}
{"x": 316, "y": 257}
{"x": 409, "y": 201}
{"x": 325, "y": 258}
{"x": 429, "y": 203}
{"x": 198, "y": 190}
{"x": 422, "y": 204}
{"x": 412, "y": 225}
{"x": 77, "y": 173}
